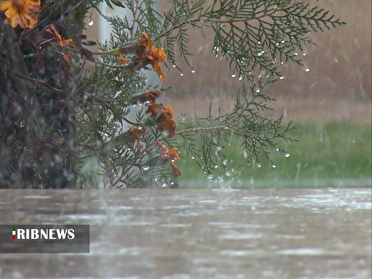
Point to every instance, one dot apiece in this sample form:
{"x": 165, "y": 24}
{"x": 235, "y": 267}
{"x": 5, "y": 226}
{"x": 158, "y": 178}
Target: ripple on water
{"x": 305, "y": 252}
{"x": 175, "y": 225}
{"x": 239, "y": 236}
{"x": 241, "y": 253}
{"x": 37, "y": 197}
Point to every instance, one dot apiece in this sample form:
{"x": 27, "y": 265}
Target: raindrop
{"x": 274, "y": 166}
{"x": 181, "y": 74}
{"x": 164, "y": 185}
{"x": 233, "y": 75}
{"x": 259, "y": 165}
{"x": 215, "y": 166}
{"x": 228, "y": 173}
{"x": 193, "y": 157}
{"x": 296, "y": 53}
{"x": 281, "y": 77}
{"x": 258, "y": 90}
{"x": 146, "y": 168}
{"x": 193, "y": 71}
{"x": 261, "y": 52}
{"x": 174, "y": 65}
{"x": 306, "y": 69}
{"x": 258, "y": 42}
{"x": 91, "y": 22}
{"x": 286, "y": 154}
{"x": 277, "y": 149}
{"x": 304, "y": 53}
{"x": 240, "y": 77}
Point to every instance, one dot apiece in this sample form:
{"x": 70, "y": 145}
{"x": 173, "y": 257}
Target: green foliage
{"x": 104, "y": 147}
{"x": 334, "y": 154}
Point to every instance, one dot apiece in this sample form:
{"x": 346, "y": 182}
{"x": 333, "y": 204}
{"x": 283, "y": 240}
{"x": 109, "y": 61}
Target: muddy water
{"x": 323, "y": 233}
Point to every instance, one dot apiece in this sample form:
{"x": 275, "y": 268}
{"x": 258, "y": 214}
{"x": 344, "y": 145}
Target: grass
{"x": 335, "y": 154}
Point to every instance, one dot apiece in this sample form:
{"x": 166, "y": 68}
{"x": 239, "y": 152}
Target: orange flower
{"x": 166, "y": 123}
{"x": 152, "y": 95}
{"x": 134, "y": 134}
{"x": 169, "y": 156}
{"x": 145, "y": 43}
{"x": 154, "y": 108}
{"x": 137, "y": 133}
{"x": 157, "y": 56}
{"x": 63, "y": 43}
{"x": 123, "y": 60}
{"x": 164, "y": 117}
{"x": 20, "y": 12}
{"x": 139, "y": 46}
{"x": 54, "y": 32}
{"x": 148, "y": 96}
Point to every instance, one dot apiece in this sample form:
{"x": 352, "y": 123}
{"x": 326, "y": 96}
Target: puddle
{"x": 179, "y": 233}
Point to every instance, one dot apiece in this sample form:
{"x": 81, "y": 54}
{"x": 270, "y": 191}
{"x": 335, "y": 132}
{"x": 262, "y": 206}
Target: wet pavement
{"x": 179, "y": 233}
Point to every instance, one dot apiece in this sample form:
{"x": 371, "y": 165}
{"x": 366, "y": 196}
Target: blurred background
{"x": 330, "y": 104}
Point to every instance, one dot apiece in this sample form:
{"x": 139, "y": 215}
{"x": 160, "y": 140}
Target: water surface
{"x": 174, "y": 233}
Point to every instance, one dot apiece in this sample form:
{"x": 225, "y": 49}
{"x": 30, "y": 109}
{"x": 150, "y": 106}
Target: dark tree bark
{"x": 38, "y": 101}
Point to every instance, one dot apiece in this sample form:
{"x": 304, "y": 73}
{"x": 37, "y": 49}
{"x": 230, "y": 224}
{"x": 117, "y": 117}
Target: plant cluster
{"x": 64, "y": 122}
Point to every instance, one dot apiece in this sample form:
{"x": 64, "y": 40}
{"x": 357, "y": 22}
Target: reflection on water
{"x": 198, "y": 233}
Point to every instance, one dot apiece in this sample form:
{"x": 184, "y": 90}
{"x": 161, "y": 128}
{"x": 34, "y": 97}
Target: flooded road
{"x": 179, "y": 233}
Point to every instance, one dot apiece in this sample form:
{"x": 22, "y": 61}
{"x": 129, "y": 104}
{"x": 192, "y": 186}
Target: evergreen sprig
{"x": 68, "y": 123}
{"x": 252, "y": 35}
{"x": 255, "y": 37}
